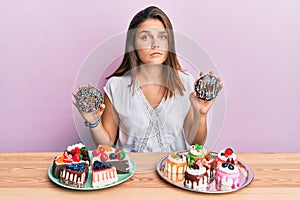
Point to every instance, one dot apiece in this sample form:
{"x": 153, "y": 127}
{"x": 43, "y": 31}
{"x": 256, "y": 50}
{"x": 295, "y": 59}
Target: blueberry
{"x": 231, "y": 166}
{"x": 97, "y": 162}
{"x": 224, "y": 165}
{"x": 112, "y": 156}
{"x": 103, "y": 166}
{"x": 109, "y": 165}
{"x": 96, "y": 166}
{"x": 222, "y": 154}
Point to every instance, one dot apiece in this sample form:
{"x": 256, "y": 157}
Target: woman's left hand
{"x": 202, "y": 106}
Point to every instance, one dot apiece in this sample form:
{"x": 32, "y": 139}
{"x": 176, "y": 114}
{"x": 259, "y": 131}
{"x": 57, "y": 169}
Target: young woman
{"x": 149, "y": 102}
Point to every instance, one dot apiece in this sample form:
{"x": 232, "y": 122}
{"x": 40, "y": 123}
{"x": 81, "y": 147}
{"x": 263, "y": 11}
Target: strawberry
{"x": 77, "y": 150}
{"x": 120, "y": 154}
{"x": 76, "y": 158}
{"x": 104, "y": 157}
{"x": 117, "y": 151}
{"x": 68, "y": 160}
{"x": 96, "y": 152}
{"x": 228, "y": 152}
{"x": 101, "y": 149}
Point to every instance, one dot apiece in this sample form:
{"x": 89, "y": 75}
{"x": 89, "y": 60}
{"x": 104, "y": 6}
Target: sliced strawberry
{"x": 96, "y": 152}
{"x": 68, "y": 160}
{"x": 104, "y": 157}
{"x": 101, "y": 149}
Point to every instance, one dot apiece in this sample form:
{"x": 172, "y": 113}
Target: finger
{"x": 219, "y": 79}
{"x": 193, "y": 95}
{"x": 201, "y": 73}
{"x": 74, "y": 102}
{"x": 211, "y": 73}
{"x": 74, "y": 93}
{"x": 221, "y": 86}
{"x": 102, "y": 106}
{"x": 90, "y": 84}
{"x": 80, "y": 87}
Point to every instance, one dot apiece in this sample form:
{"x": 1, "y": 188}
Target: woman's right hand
{"x": 91, "y": 117}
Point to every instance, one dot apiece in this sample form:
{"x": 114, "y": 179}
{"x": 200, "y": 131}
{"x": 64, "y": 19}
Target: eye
{"x": 163, "y": 37}
{"x": 145, "y": 37}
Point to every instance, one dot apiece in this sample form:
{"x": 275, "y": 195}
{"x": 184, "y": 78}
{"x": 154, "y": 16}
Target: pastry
{"x": 76, "y": 153}
{"x": 103, "y": 173}
{"x": 75, "y": 174}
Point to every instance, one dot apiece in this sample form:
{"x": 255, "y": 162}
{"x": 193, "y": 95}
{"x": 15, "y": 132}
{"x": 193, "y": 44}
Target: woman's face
{"x": 151, "y": 42}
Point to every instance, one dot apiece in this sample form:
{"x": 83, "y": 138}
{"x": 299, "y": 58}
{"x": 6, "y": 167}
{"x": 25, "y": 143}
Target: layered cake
{"x": 76, "y": 153}
{"x": 103, "y": 173}
{"x": 209, "y": 163}
{"x": 196, "y": 177}
{"x": 75, "y": 174}
{"x": 175, "y": 166}
{"x": 227, "y": 175}
{"x": 116, "y": 157}
{"x": 196, "y": 174}
{"x": 226, "y": 155}
{"x": 196, "y": 152}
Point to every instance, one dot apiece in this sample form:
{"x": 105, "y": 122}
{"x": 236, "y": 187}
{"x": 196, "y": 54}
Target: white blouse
{"x": 146, "y": 129}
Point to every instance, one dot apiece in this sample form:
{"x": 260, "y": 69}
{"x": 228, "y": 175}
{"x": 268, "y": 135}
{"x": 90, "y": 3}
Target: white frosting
{"x": 228, "y": 181}
{"x": 227, "y": 170}
{"x": 196, "y": 172}
{"x": 177, "y": 160}
{"x": 79, "y": 145}
{"x": 104, "y": 177}
{"x": 200, "y": 185}
{"x": 200, "y": 153}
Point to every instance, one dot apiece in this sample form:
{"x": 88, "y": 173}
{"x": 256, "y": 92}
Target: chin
{"x": 156, "y": 62}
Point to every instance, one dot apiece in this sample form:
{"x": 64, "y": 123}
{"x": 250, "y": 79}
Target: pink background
{"x": 255, "y": 45}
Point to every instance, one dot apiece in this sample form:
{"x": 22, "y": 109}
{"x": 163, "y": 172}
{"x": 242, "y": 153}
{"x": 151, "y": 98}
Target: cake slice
{"x": 75, "y": 174}
{"x": 103, "y": 174}
{"x": 76, "y": 153}
{"x": 116, "y": 157}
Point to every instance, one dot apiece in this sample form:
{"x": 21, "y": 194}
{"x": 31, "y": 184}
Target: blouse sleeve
{"x": 109, "y": 88}
{"x": 188, "y": 82}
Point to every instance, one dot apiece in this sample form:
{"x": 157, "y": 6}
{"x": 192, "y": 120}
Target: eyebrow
{"x": 148, "y": 31}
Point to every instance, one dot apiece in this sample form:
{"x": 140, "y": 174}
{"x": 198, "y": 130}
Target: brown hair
{"x": 131, "y": 59}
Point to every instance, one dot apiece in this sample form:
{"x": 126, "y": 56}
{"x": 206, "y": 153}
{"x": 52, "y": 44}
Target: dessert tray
{"x": 246, "y": 178}
{"x": 88, "y": 185}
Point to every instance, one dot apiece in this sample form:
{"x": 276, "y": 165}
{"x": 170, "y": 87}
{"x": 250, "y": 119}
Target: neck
{"x": 150, "y": 74}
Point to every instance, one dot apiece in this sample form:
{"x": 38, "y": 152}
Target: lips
{"x": 155, "y": 54}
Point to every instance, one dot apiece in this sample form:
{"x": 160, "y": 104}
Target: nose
{"x": 155, "y": 44}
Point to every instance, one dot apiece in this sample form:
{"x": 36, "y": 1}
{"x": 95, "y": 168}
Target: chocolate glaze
{"x": 195, "y": 178}
{"x": 74, "y": 183}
